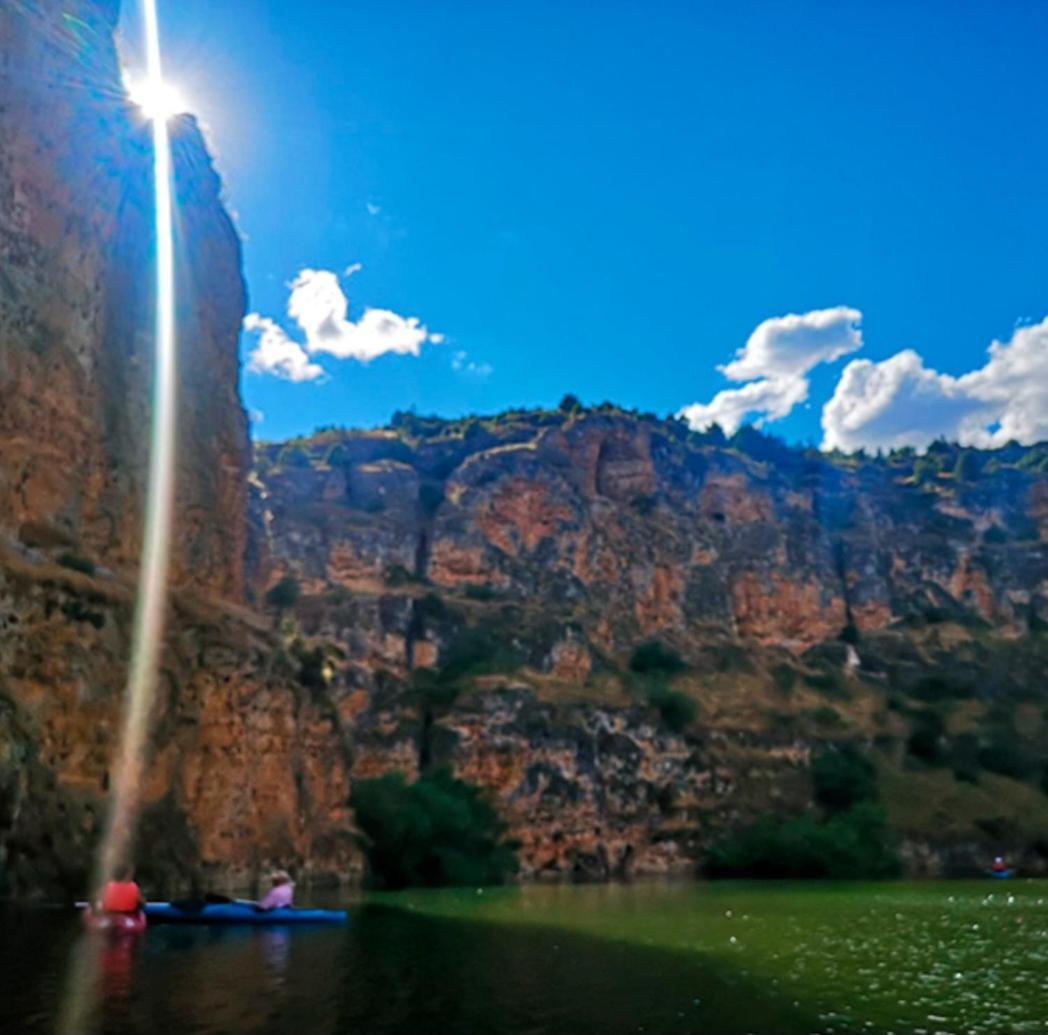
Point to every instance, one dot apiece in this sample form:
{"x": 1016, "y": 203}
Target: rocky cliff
{"x": 76, "y": 240}
{"x": 76, "y": 243}
{"x": 806, "y": 601}
{"x": 635, "y": 636}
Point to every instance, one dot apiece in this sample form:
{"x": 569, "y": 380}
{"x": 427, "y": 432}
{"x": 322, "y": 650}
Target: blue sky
{"x": 609, "y": 201}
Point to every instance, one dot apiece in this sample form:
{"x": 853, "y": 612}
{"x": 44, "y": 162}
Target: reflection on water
{"x": 667, "y": 959}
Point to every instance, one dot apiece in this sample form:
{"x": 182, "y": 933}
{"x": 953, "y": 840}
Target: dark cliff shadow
{"x": 407, "y": 973}
{"x": 390, "y": 972}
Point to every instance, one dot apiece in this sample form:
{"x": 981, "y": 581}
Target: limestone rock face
{"x": 76, "y": 340}
{"x": 633, "y": 529}
{"x": 76, "y": 309}
{"x": 565, "y": 541}
{"x": 246, "y": 769}
{"x": 800, "y": 601}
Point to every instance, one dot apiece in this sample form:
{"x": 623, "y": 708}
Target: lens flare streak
{"x": 148, "y": 632}
{"x": 152, "y": 592}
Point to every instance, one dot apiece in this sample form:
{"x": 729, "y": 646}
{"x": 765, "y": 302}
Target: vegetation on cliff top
{"x": 941, "y": 465}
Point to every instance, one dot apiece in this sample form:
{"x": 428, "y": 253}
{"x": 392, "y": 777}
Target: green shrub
{"x": 995, "y": 535}
{"x": 437, "y": 831}
{"x": 75, "y": 562}
{"x": 849, "y": 845}
{"x": 966, "y": 468}
{"x": 1007, "y": 755}
{"x": 942, "y": 687}
{"x": 432, "y": 606}
{"x": 784, "y": 676}
{"x": 479, "y": 651}
{"x": 964, "y": 757}
{"x": 655, "y": 659}
{"x": 828, "y": 683}
{"x": 312, "y": 672}
{"x": 570, "y": 405}
{"x": 676, "y": 710}
{"x": 432, "y": 690}
{"x": 843, "y": 779}
{"x": 78, "y": 611}
{"x": 474, "y": 592}
{"x": 925, "y": 471}
{"x": 284, "y": 594}
{"x": 849, "y": 634}
{"x": 397, "y": 575}
{"x": 926, "y": 740}
{"x": 824, "y": 715}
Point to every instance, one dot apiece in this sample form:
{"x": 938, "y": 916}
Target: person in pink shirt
{"x": 280, "y": 895}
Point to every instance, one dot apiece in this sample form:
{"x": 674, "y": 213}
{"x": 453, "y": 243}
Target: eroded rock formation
{"x": 520, "y": 560}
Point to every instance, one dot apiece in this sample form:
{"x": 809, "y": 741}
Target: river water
{"x": 661, "y": 959}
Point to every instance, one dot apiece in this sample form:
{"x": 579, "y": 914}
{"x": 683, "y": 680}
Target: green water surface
{"x": 649, "y": 958}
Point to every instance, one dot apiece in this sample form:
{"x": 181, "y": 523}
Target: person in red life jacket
{"x": 121, "y": 894}
{"x": 999, "y": 865}
{"x": 280, "y": 895}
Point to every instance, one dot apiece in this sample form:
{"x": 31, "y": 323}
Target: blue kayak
{"x": 1000, "y": 874}
{"x": 237, "y": 913}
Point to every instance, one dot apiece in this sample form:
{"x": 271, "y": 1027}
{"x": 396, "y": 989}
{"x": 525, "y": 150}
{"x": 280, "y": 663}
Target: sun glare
{"x": 157, "y": 99}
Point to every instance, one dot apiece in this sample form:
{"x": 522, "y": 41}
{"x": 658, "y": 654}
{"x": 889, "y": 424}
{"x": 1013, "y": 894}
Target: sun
{"x": 156, "y": 98}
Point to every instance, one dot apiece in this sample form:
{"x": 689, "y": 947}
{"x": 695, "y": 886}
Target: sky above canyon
{"x": 825, "y": 218}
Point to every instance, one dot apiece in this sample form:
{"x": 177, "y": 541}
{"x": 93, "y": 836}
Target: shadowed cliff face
{"x": 76, "y": 339}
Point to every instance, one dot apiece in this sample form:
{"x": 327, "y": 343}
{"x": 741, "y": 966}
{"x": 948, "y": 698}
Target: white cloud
{"x": 320, "y": 308}
{"x": 277, "y": 354}
{"x": 902, "y": 402}
{"x": 771, "y": 399}
{"x": 373, "y": 209}
{"x": 790, "y": 346}
{"x": 462, "y": 364}
{"x": 775, "y": 362}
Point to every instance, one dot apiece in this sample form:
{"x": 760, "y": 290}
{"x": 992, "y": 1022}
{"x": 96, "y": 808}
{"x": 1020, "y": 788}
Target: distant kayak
{"x": 237, "y": 913}
{"x": 115, "y": 923}
{"x": 1000, "y": 874}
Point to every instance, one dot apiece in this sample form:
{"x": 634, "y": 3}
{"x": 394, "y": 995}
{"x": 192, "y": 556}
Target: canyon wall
{"x": 813, "y": 601}
{"x": 76, "y": 299}
{"x": 76, "y": 340}
{"x": 800, "y": 602}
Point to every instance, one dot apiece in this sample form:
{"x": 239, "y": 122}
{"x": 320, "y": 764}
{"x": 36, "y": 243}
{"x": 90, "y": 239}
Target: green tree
{"x": 925, "y": 471}
{"x": 966, "y": 469}
{"x": 434, "y": 832}
{"x": 75, "y": 562}
{"x": 843, "y": 779}
{"x": 655, "y": 658}
{"x": 677, "y": 710}
{"x": 849, "y": 845}
{"x": 284, "y": 594}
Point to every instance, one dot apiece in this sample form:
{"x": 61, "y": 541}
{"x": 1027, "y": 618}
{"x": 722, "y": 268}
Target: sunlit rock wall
{"x": 76, "y": 245}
